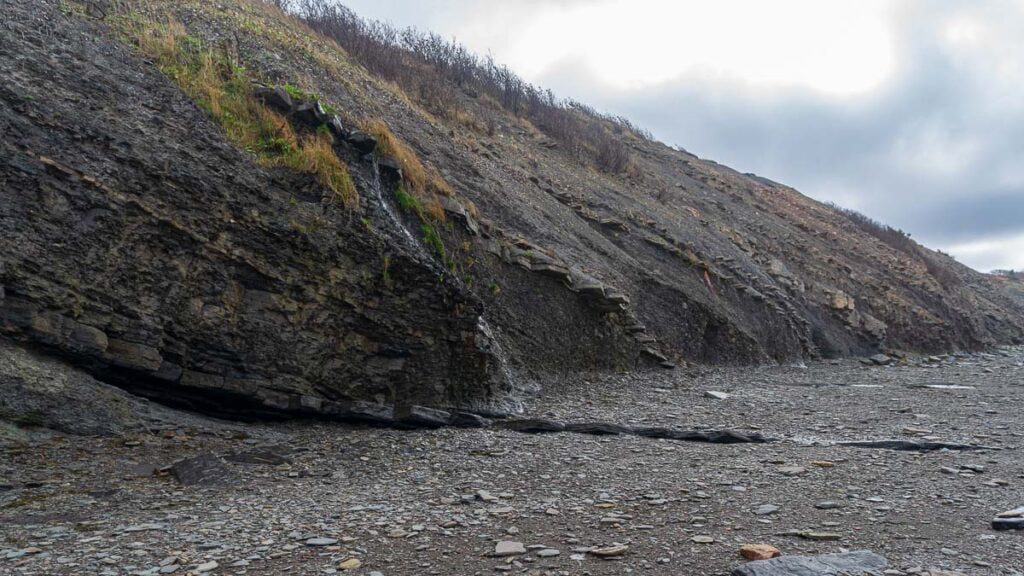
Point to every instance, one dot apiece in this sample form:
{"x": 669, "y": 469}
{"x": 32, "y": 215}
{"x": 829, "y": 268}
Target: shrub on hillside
{"x": 900, "y": 240}
{"x": 432, "y": 69}
{"x": 895, "y": 238}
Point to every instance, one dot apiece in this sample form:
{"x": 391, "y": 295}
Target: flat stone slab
{"x": 416, "y": 417}
{"x": 533, "y": 425}
{"x": 914, "y": 446}
{"x": 597, "y": 428}
{"x": 271, "y": 456}
{"x": 468, "y": 420}
{"x": 881, "y": 360}
{"x": 1009, "y": 520}
{"x": 710, "y": 436}
{"x": 508, "y": 548}
{"x": 859, "y": 563}
{"x": 203, "y": 470}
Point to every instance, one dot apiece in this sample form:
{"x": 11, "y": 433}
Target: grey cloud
{"x": 962, "y": 219}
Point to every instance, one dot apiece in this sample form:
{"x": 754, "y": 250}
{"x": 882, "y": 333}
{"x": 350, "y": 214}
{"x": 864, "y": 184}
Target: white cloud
{"x": 836, "y": 48}
{"x": 1000, "y": 253}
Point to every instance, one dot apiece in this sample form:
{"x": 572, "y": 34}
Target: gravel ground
{"x": 438, "y": 502}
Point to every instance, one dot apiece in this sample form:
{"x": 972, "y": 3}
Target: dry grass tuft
{"x": 437, "y": 184}
{"x": 224, "y": 90}
{"x": 389, "y": 145}
{"x": 316, "y": 156}
{"x": 433, "y": 209}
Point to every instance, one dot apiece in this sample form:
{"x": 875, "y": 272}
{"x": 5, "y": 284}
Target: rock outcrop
{"x": 46, "y": 393}
{"x": 142, "y": 246}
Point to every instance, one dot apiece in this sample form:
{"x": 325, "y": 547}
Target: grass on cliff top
{"x": 224, "y": 90}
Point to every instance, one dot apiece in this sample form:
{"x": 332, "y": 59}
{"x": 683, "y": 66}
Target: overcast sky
{"x": 911, "y": 111}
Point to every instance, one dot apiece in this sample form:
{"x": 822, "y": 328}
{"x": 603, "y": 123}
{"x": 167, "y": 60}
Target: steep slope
{"x": 1011, "y": 282}
{"x": 145, "y": 245}
{"x": 717, "y": 265}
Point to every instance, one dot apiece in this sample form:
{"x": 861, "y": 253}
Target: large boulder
{"x": 861, "y": 563}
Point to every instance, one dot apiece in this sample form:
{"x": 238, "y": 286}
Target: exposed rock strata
{"x": 144, "y": 248}
{"x": 139, "y": 244}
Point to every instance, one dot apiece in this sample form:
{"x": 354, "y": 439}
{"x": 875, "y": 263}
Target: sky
{"x": 910, "y": 111}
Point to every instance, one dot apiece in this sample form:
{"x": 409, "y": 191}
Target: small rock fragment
{"x": 350, "y": 564}
{"x": 508, "y": 548}
{"x": 759, "y": 551}
{"x": 321, "y": 541}
{"x": 548, "y": 553}
{"x": 207, "y": 567}
{"x": 814, "y": 535}
{"x": 610, "y": 551}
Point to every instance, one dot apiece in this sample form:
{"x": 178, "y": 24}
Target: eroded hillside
{"x": 357, "y": 239}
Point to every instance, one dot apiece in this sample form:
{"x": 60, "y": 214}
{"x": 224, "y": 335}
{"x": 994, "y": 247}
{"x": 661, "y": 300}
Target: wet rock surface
{"x": 311, "y": 497}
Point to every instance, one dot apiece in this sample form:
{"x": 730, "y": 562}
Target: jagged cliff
{"x": 141, "y": 245}
{"x": 146, "y": 241}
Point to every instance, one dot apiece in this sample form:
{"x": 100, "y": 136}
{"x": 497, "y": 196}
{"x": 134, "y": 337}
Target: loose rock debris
{"x": 314, "y": 497}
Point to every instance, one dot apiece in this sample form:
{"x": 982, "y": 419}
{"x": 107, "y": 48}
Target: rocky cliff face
{"x": 141, "y": 245}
